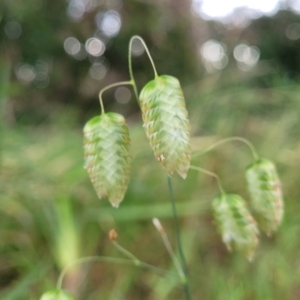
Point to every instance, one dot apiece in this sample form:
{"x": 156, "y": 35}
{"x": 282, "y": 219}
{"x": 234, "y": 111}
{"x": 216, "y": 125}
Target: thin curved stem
{"x": 210, "y": 174}
{"x": 136, "y": 37}
{"x": 111, "y": 86}
{"x": 131, "y": 71}
{"x": 112, "y": 260}
{"x": 126, "y": 253}
{"x": 179, "y": 243}
{"x": 230, "y": 139}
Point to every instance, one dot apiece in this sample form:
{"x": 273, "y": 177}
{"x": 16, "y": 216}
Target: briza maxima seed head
{"x": 107, "y": 156}
{"x": 266, "y": 195}
{"x": 56, "y": 294}
{"x": 166, "y": 123}
{"x": 235, "y": 223}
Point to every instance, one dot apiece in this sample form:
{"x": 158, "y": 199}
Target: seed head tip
{"x": 113, "y": 235}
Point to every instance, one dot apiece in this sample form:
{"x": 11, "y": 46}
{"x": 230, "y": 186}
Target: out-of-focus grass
{"x": 50, "y": 214}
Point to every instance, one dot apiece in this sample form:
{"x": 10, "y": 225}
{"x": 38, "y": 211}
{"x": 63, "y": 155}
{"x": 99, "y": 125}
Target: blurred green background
{"x": 240, "y": 78}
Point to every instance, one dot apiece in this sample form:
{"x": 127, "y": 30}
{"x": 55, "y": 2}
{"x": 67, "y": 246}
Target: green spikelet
{"x": 56, "y": 294}
{"x": 107, "y": 156}
{"x": 235, "y": 223}
{"x": 266, "y": 196}
{"x": 166, "y": 123}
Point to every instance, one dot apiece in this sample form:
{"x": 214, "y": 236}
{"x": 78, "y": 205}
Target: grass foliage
{"x": 50, "y": 214}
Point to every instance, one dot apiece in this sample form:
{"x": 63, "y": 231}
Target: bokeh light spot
{"x": 219, "y": 9}
{"x": 221, "y": 63}
{"x": 137, "y": 47}
{"x": 42, "y": 66}
{"x": 239, "y": 51}
{"x": 98, "y": 71}
{"x": 110, "y": 23}
{"x": 72, "y": 45}
{"x": 76, "y": 10}
{"x": 212, "y": 50}
{"x": 214, "y": 56}
{"x": 295, "y": 5}
{"x": 293, "y": 31}
{"x": 246, "y": 56}
{"x": 13, "y": 30}
{"x": 41, "y": 80}
{"x": 94, "y": 46}
{"x": 25, "y": 73}
{"x": 123, "y": 95}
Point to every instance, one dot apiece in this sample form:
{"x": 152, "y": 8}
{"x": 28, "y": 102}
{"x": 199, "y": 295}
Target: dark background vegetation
{"x": 49, "y": 212}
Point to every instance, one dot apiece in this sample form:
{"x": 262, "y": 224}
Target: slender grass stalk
{"x": 136, "y": 37}
{"x": 168, "y": 246}
{"x": 230, "y": 139}
{"x": 210, "y": 174}
{"x": 179, "y": 243}
{"x": 109, "y": 259}
{"x": 111, "y": 86}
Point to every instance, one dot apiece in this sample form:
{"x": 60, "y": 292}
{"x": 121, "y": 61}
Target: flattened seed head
{"x": 166, "y": 123}
{"x": 266, "y": 196}
{"x": 56, "y": 294}
{"x": 235, "y": 223}
{"x": 107, "y": 156}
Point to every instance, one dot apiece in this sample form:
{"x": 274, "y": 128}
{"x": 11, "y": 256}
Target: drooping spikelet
{"x": 266, "y": 196}
{"x": 56, "y": 294}
{"x": 235, "y": 223}
{"x": 107, "y": 156}
{"x": 166, "y": 123}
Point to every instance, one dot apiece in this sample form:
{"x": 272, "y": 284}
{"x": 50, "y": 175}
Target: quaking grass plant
{"x": 166, "y": 123}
